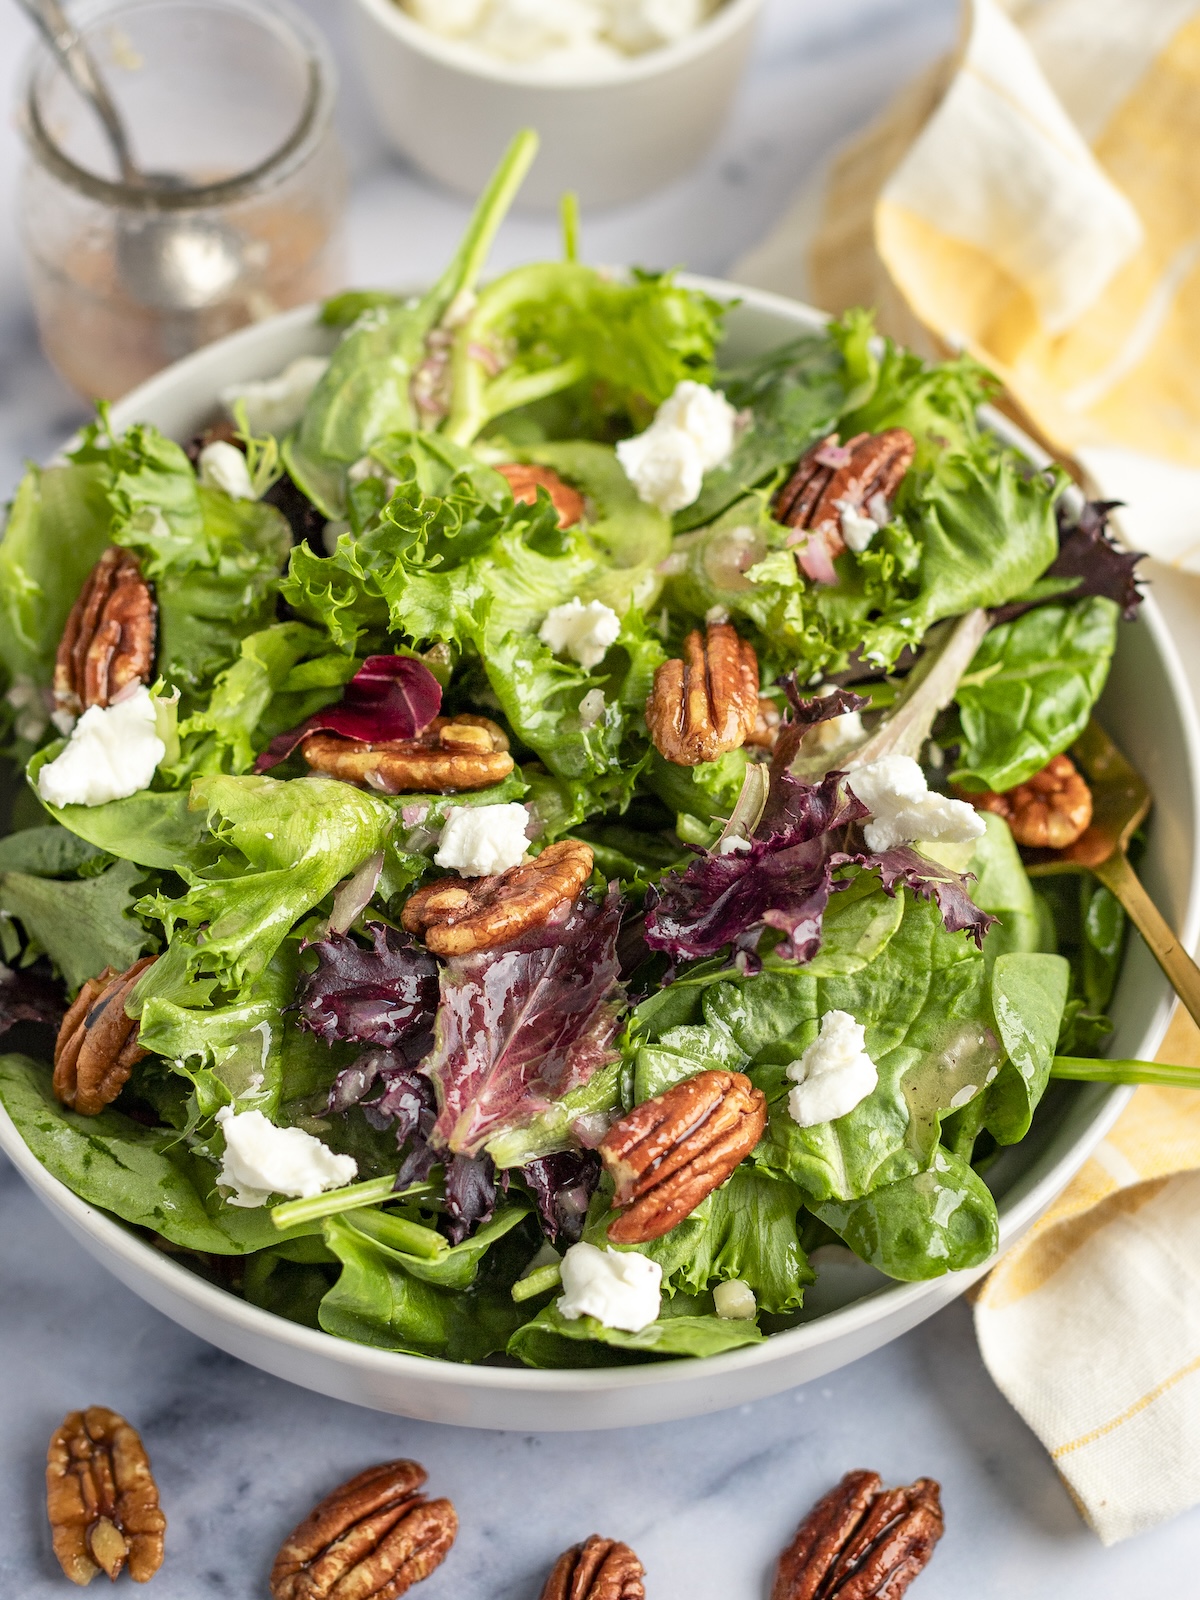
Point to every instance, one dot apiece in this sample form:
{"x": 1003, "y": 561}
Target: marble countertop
{"x": 241, "y": 1456}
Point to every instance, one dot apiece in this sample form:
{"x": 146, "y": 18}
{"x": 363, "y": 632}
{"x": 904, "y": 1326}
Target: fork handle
{"x": 1182, "y": 972}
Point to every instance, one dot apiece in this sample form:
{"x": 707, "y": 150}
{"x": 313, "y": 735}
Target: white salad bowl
{"x": 611, "y": 135}
{"x": 852, "y": 1310}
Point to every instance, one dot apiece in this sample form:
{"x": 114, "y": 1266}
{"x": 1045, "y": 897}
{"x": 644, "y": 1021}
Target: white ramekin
{"x": 610, "y": 137}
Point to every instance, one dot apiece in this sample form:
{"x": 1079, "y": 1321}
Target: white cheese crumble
{"x": 591, "y": 708}
{"x": 904, "y": 809}
{"x": 693, "y": 432}
{"x": 223, "y": 466}
{"x": 620, "y": 1288}
{"x": 735, "y": 1301}
{"x": 273, "y": 405}
{"x": 834, "y": 1074}
{"x": 858, "y": 529}
{"x": 111, "y": 754}
{"x": 478, "y": 841}
{"x": 565, "y": 36}
{"x": 261, "y": 1160}
{"x": 583, "y": 632}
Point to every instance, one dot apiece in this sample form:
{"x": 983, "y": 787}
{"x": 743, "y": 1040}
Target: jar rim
{"x": 285, "y": 19}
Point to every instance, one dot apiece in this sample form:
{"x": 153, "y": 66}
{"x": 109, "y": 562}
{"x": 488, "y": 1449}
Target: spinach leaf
{"x": 684, "y": 1328}
{"x": 84, "y": 924}
{"x": 146, "y": 1176}
{"x": 1029, "y": 992}
{"x": 1002, "y": 888}
{"x": 1029, "y": 692}
{"x": 50, "y": 851}
{"x": 940, "y": 1220}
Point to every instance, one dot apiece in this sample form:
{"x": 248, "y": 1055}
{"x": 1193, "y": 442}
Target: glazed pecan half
{"x": 862, "y": 1541}
{"x": 371, "y": 1539}
{"x": 831, "y": 479}
{"x": 101, "y": 1498}
{"x": 97, "y": 1046}
{"x": 597, "y": 1569}
{"x": 109, "y": 638}
{"x": 525, "y": 481}
{"x": 665, "y": 1155}
{"x": 457, "y": 915}
{"x": 708, "y": 702}
{"x": 450, "y": 755}
{"x": 1048, "y": 812}
{"x": 767, "y": 723}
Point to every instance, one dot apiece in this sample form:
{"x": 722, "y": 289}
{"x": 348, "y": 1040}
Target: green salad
{"x": 520, "y": 832}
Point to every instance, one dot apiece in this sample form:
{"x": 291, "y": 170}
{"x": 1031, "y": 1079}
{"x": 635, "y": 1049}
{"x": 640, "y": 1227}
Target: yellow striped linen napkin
{"x": 1035, "y": 199}
{"x": 1090, "y": 1325}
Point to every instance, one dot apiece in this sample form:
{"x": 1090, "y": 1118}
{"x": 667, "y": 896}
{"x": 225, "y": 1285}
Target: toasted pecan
{"x": 101, "y": 1498}
{"x": 108, "y": 642}
{"x": 97, "y": 1045}
{"x": 861, "y": 476}
{"x": 861, "y": 1541}
{"x": 1048, "y": 811}
{"x": 371, "y": 1539}
{"x": 451, "y": 755}
{"x": 458, "y": 915}
{"x": 708, "y": 702}
{"x": 525, "y": 479}
{"x": 667, "y": 1154}
{"x": 597, "y": 1569}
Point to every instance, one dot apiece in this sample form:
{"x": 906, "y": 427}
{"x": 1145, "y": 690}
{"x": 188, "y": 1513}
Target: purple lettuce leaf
{"x": 29, "y": 996}
{"x": 389, "y": 697}
{"x": 805, "y": 713}
{"x": 1087, "y": 551}
{"x": 470, "y": 1194}
{"x": 519, "y": 1027}
{"x": 782, "y": 878}
{"x": 562, "y": 1185}
{"x": 381, "y": 996}
{"x": 902, "y": 867}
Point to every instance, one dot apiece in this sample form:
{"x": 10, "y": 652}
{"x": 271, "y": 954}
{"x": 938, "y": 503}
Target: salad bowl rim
{"x": 898, "y": 1301}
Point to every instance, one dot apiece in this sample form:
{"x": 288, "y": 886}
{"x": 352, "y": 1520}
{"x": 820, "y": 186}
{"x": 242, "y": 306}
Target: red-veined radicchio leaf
{"x": 381, "y": 996}
{"x": 561, "y": 1185}
{"x": 904, "y": 867}
{"x": 519, "y": 1027}
{"x": 29, "y": 996}
{"x": 389, "y": 697}
{"x": 470, "y": 1194}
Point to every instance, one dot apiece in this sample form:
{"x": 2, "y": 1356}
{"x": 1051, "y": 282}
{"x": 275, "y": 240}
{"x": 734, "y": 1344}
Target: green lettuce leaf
{"x": 1029, "y": 692}
{"x": 684, "y": 1328}
{"x": 83, "y": 924}
{"x": 50, "y": 851}
{"x": 1029, "y": 994}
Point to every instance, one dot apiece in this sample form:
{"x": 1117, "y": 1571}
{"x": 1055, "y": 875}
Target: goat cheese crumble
{"x": 735, "y": 1301}
{"x": 566, "y": 36}
{"x": 111, "y": 754}
{"x": 583, "y": 632}
{"x": 223, "y": 466}
{"x": 261, "y": 1160}
{"x": 620, "y": 1288}
{"x": 692, "y": 432}
{"x": 834, "y": 1074}
{"x": 273, "y": 405}
{"x": 904, "y": 809}
{"x": 478, "y": 841}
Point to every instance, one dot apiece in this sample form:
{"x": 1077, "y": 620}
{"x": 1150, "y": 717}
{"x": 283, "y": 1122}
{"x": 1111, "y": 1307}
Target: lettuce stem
{"x": 1081, "y": 1070}
{"x": 548, "y": 1277}
{"x": 373, "y": 1192}
{"x": 398, "y": 1233}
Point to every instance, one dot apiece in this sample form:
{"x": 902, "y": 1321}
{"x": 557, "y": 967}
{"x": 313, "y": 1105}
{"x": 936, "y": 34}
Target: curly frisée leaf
{"x": 521, "y": 1026}
{"x": 389, "y": 697}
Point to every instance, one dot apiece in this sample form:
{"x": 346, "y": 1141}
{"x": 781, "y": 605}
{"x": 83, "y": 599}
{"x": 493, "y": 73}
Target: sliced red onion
{"x": 389, "y": 697}
{"x": 353, "y": 895}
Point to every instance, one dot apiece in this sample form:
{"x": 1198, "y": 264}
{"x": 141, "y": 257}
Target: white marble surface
{"x": 241, "y": 1456}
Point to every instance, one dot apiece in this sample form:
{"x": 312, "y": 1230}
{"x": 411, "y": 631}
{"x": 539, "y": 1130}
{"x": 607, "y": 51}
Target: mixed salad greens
{"x": 423, "y": 1128}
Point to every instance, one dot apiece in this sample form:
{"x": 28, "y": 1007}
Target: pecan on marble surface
{"x": 101, "y": 1498}
{"x": 450, "y": 756}
{"x": 108, "y": 642}
{"x": 833, "y": 480}
{"x": 525, "y": 479}
{"x": 1048, "y": 811}
{"x": 597, "y": 1569}
{"x": 371, "y": 1539}
{"x": 455, "y": 916}
{"x": 97, "y": 1045}
{"x": 667, "y": 1154}
{"x": 708, "y": 702}
{"x": 861, "y": 1541}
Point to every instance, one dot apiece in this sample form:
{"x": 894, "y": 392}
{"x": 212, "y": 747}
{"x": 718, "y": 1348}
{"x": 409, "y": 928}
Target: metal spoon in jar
{"x": 166, "y": 259}
{"x": 1120, "y": 804}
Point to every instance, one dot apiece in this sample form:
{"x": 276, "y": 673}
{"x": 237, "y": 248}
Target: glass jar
{"x": 235, "y": 208}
